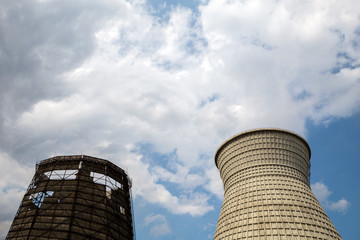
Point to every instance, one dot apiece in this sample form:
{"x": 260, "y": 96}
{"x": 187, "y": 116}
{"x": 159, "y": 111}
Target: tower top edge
{"x": 260, "y": 130}
{"x": 84, "y": 158}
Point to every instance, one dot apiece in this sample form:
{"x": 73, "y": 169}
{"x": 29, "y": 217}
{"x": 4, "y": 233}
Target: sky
{"x": 157, "y": 86}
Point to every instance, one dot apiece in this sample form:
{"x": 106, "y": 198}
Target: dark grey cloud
{"x": 40, "y": 40}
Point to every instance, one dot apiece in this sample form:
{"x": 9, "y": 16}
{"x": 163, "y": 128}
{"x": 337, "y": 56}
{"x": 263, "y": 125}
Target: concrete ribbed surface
{"x": 267, "y": 194}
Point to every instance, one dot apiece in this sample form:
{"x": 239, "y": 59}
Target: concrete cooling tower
{"x": 75, "y": 197}
{"x": 267, "y": 193}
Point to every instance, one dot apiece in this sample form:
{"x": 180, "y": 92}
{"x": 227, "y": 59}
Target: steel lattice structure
{"x": 267, "y": 193}
{"x": 75, "y": 197}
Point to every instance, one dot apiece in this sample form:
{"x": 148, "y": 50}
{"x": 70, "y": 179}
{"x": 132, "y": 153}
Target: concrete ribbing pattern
{"x": 267, "y": 194}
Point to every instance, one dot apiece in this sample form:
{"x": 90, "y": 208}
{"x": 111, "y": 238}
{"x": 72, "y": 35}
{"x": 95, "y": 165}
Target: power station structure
{"x": 75, "y": 197}
{"x": 267, "y": 195}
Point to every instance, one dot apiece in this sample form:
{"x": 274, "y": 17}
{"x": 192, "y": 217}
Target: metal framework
{"x": 75, "y": 197}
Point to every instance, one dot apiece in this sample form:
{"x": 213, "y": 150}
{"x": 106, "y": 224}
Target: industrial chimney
{"x": 267, "y": 193}
{"x": 75, "y": 197}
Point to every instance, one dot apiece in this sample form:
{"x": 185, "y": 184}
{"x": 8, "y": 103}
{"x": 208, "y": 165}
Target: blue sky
{"x": 335, "y": 163}
{"x": 156, "y": 87}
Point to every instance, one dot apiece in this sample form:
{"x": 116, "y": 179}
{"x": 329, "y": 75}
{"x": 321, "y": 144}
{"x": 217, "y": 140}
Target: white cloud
{"x": 146, "y": 185}
{"x": 182, "y": 176}
{"x": 214, "y": 184}
{"x": 159, "y": 224}
{"x": 341, "y": 206}
{"x": 274, "y": 51}
{"x": 4, "y": 228}
{"x": 322, "y": 193}
{"x": 14, "y": 175}
{"x": 14, "y": 180}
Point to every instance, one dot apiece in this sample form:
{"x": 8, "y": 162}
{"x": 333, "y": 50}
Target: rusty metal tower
{"x": 75, "y": 197}
{"x": 267, "y": 193}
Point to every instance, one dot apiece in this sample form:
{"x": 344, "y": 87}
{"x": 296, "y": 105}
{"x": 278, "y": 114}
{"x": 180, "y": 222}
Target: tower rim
{"x": 85, "y": 158}
{"x": 259, "y": 130}
{"x": 81, "y": 157}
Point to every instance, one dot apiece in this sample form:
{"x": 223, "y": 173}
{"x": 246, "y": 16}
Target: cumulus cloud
{"x": 322, "y": 193}
{"x": 146, "y": 185}
{"x": 214, "y": 184}
{"x": 40, "y": 41}
{"x": 159, "y": 224}
{"x": 100, "y": 78}
{"x": 182, "y": 176}
{"x": 283, "y": 55}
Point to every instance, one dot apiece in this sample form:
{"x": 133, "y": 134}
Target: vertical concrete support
{"x": 267, "y": 194}
{"x": 75, "y": 197}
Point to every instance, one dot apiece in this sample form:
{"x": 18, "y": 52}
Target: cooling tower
{"x": 267, "y": 193}
{"x": 75, "y": 197}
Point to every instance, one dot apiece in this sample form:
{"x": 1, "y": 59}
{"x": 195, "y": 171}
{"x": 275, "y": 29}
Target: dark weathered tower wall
{"x": 267, "y": 193}
{"x": 75, "y": 197}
